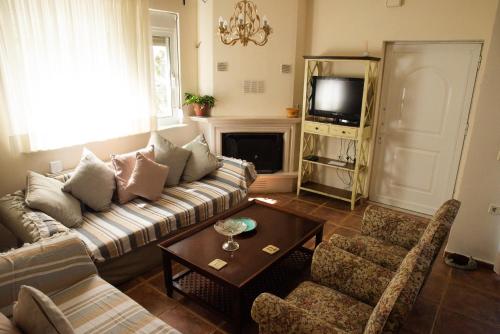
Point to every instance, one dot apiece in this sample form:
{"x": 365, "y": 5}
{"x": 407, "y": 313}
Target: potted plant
{"x": 201, "y": 104}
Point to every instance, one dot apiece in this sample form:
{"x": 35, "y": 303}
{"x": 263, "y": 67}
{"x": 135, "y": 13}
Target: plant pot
{"x": 201, "y": 110}
{"x": 292, "y": 112}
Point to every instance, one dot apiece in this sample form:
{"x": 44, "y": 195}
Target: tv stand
{"x": 316, "y": 127}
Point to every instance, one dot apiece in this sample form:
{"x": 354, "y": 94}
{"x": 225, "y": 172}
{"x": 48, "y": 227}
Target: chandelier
{"x": 245, "y": 26}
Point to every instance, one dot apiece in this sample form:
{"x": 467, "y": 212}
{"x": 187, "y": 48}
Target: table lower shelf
{"x": 333, "y": 192}
{"x": 280, "y": 280}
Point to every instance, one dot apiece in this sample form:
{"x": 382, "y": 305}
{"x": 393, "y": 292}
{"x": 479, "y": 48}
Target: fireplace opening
{"x": 265, "y": 150}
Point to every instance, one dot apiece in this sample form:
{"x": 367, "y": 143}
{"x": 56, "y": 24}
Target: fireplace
{"x": 265, "y": 150}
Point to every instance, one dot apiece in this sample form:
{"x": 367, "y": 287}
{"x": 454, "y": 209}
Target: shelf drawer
{"x": 343, "y": 131}
{"x": 315, "y": 127}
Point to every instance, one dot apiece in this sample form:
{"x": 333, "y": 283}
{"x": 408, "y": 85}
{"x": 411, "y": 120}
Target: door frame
{"x": 464, "y": 117}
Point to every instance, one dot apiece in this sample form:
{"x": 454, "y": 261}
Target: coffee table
{"x": 249, "y": 270}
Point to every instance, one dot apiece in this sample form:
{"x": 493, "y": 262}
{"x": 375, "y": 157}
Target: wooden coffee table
{"x": 249, "y": 270}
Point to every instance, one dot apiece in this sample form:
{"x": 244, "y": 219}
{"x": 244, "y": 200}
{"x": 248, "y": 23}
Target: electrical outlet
{"x": 56, "y": 166}
{"x": 494, "y": 210}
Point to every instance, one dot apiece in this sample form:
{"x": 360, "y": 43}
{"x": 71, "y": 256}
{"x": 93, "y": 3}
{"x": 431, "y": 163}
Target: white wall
{"x": 475, "y": 232}
{"x": 344, "y": 27}
{"x": 250, "y": 62}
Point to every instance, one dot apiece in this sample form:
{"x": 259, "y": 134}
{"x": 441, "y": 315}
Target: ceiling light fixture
{"x": 245, "y": 26}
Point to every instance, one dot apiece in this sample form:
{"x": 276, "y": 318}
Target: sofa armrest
{"x": 236, "y": 172}
{"x": 275, "y": 315}
{"x": 49, "y": 265}
{"x": 349, "y": 274}
{"x": 391, "y": 226}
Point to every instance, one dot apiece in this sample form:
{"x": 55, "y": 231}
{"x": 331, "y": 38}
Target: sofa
{"x": 61, "y": 268}
{"x": 364, "y": 284}
{"x": 122, "y": 241}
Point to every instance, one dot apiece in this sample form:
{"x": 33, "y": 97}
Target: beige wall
{"x": 345, "y": 27}
{"x": 475, "y": 232}
{"x": 250, "y": 62}
{"x": 13, "y": 166}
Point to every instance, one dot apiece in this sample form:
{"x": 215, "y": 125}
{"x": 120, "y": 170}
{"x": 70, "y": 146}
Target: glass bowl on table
{"x": 230, "y": 228}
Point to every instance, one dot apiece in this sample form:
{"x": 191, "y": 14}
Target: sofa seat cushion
{"x": 139, "y": 222}
{"x": 377, "y": 251}
{"x": 95, "y": 306}
{"x": 338, "y": 309}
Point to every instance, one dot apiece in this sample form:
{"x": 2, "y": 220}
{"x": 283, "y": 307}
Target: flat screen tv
{"x": 337, "y": 98}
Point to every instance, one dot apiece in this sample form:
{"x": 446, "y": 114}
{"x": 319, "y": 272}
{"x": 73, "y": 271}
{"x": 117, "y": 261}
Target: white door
{"x": 426, "y": 95}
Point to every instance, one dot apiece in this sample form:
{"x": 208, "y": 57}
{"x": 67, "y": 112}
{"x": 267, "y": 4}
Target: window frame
{"x": 172, "y": 33}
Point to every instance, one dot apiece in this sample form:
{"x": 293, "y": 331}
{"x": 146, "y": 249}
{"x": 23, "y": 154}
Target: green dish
{"x": 249, "y": 222}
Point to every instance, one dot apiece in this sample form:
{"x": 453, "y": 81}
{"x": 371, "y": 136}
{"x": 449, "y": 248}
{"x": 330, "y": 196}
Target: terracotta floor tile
{"x": 130, "y": 284}
{"x": 273, "y": 199}
{"x": 352, "y": 221}
{"x": 186, "y": 322}
{"x": 249, "y": 327}
{"x": 450, "y": 322}
{"x": 333, "y": 216}
{"x": 152, "y": 273}
{"x": 158, "y": 283}
{"x": 470, "y": 302}
{"x": 338, "y": 204}
{"x": 484, "y": 278}
{"x": 301, "y": 206}
{"x": 434, "y": 287}
{"x": 421, "y": 318}
{"x": 152, "y": 300}
{"x": 328, "y": 230}
{"x": 213, "y": 317}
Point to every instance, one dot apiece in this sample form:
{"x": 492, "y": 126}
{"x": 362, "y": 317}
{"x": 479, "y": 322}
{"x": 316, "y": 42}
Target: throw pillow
{"x": 201, "y": 162}
{"x": 170, "y": 155}
{"x": 45, "y": 194}
{"x": 92, "y": 182}
{"x": 6, "y": 326}
{"x": 35, "y": 313}
{"x": 124, "y": 166}
{"x": 148, "y": 178}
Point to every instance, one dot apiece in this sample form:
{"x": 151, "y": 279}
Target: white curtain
{"x": 75, "y": 71}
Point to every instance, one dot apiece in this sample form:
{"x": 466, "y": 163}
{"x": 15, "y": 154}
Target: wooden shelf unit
{"x": 314, "y": 127}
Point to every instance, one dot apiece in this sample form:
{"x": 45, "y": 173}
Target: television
{"x": 338, "y": 99}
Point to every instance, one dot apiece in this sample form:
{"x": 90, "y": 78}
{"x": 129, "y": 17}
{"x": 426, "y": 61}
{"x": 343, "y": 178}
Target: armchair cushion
{"x": 382, "y": 253}
{"x": 275, "y": 315}
{"x": 336, "y": 308}
{"x": 349, "y": 274}
{"x": 391, "y": 226}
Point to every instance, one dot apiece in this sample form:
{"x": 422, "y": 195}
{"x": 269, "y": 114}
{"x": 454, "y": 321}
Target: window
{"x": 167, "y": 91}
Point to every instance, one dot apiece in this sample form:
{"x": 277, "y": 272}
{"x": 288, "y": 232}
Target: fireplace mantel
{"x": 214, "y": 127}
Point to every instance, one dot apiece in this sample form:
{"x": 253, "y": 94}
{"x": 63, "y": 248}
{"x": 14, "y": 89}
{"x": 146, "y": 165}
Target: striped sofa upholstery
{"x": 61, "y": 268}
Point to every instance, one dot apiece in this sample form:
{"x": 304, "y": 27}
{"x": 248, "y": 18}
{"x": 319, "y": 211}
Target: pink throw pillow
{"x": 124, "y": 166}
{"x": 148, "y": 178}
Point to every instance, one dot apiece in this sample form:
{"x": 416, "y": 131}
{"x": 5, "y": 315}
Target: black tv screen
{"x": 337, "y": 97}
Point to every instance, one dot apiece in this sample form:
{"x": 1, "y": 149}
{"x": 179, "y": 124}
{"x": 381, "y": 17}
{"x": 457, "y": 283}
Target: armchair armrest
{"x": 391, "y": 226}
{"x": 349, "y": 274}
{"x": 275, "y": 315}
{"x": 236, "y": 172}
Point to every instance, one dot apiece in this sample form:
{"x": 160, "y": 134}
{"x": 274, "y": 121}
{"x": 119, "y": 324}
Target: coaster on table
{"x": 217, "y": 264}
{"x": 270, "y": 249}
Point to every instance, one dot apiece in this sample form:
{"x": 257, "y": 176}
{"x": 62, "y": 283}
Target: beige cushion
{"x": 169, "y": 155}
{"x": 6, "y": 326}
{"x": 35, "y": 313}
{"x": 147, "y": 179}
{"x": 201, "y": 162}
{"x": 124, "y": 166}
{"x": 45, "y": 194}
{"x": 93, "y": 182}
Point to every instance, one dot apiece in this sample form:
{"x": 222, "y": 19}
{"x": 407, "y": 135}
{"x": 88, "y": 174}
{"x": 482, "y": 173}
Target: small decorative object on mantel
{"x": 245, "y": 26}
{"x": 201, "y": 104}
{"x": 292, "y": 112}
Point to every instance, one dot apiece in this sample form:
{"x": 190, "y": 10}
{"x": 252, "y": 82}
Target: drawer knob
{"x": 343, "y": 131}
{"x": 317, "y": 128}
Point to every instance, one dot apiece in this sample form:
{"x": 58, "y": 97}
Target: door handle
{"x": 403, "y": 96}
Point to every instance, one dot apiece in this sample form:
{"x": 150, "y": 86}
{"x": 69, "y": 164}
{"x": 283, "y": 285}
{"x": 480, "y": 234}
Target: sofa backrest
{"x": 49, "y": 265}
{"x": 384, "y": 307}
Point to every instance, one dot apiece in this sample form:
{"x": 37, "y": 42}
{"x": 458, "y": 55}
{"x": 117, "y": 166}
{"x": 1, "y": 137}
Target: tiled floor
{"x": 451, "y": 301}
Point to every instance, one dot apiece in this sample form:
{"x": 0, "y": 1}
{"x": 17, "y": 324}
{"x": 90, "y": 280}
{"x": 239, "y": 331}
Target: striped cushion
{"x": 126, "y": 227}
{"x": 95, "y": 306}
{"x": 49, "y": 265}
